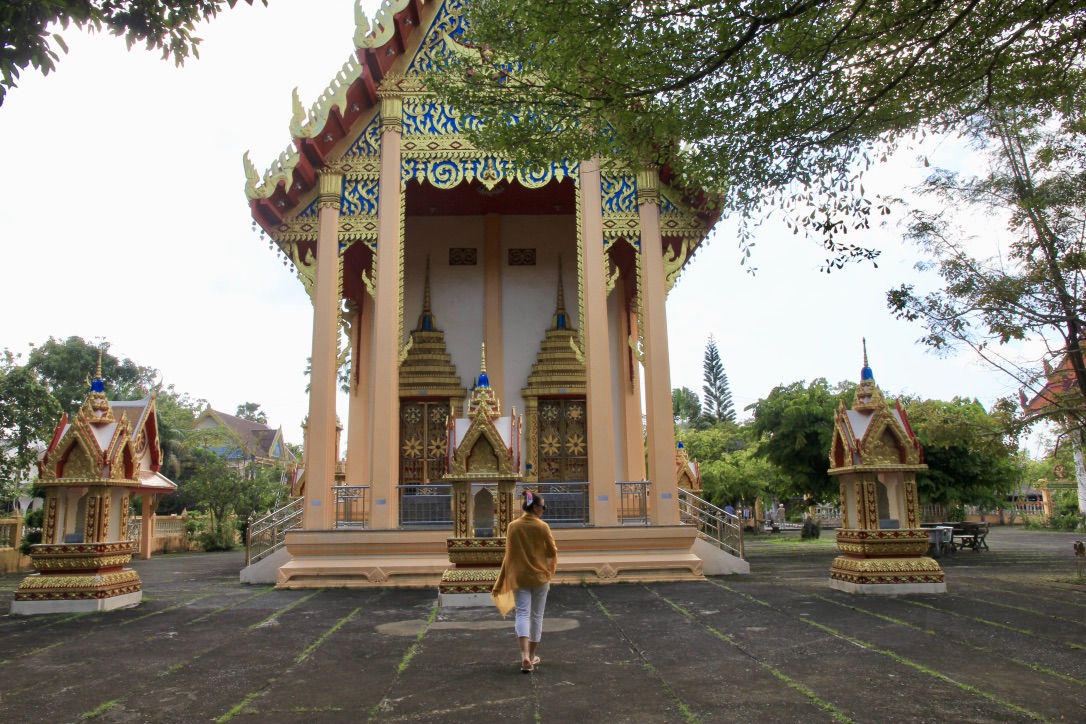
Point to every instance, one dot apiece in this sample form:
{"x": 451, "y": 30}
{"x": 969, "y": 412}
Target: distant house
{"x": 252, "y": 441}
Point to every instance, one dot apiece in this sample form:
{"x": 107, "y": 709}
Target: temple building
{"x": 388, "y": 214}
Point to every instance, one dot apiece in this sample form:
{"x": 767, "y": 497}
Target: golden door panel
{"x": 423, "y": 442}
{"x": 563, "y": 441}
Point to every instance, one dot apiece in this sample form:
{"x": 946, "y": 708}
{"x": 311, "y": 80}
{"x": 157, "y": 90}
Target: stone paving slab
{"x": 1006, "y": 643}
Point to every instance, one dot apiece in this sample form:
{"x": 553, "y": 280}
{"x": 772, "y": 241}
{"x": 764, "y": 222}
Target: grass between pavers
{"x": 177, "y": 666}
{"x": 818, "y": 701}
{"x": 958, "y": 642}
{"x": 283, "y": 610}
{"x": 892, "y": 655}
{"x": 1031, "y": 611}
{"x": 1031, "y": 594}
{"x": 687, "y": 713}
{"x": 242, "y": 706}
{"x": 996, "y": 624}
{"x": 404, "y": 663}
{"x": 101, "y": 709}
{"x": 219, "y": 610}
{"x": 161, "y": 611}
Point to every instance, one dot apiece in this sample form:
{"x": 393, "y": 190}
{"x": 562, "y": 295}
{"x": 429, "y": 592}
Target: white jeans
{"x": 530, "y": 604}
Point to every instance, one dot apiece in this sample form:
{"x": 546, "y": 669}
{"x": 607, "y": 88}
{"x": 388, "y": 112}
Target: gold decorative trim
{"x": 54, "y": 581}
{"x": 329, "y": 189}
{"x": 375, "y": 35}
{"x": 308, "y": 124}
{"x": 391, "y": 113}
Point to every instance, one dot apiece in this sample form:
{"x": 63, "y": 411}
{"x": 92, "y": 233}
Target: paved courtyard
{"x": 1006, "y": 643}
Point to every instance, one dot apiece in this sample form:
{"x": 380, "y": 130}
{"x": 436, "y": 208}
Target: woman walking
{"x": 531, "y": 558}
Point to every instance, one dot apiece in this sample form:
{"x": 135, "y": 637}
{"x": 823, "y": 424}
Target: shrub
{"x": 811, "y": 529}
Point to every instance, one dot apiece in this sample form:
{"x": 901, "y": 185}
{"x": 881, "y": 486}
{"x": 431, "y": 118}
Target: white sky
{"x": 124, "y": 217}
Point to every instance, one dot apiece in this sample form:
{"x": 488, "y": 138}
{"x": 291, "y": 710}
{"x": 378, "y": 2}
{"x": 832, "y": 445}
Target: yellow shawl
{"x": 531, "y": 558}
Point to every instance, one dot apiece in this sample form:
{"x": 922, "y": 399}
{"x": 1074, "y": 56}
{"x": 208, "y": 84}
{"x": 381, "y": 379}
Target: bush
{"x": 32, "y": 525}
{"x": 811, "y": 529}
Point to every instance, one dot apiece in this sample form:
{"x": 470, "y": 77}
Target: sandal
{"x": 526, "y": 669}
{"x": 535, "y": 662}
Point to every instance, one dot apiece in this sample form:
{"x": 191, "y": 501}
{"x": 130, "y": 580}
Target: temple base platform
{"x": 75, "y": 605}
{"x": 79, "y": 578}
{"x": 419, "y": 559}
{"x": 885, "y": 562}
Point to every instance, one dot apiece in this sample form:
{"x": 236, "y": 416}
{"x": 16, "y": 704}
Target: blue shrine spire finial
{"x": 865, "y": 372}
{"x": 484, "y": 380}
{"x": 97, "y": 384}
{"x": 427, "y": 323}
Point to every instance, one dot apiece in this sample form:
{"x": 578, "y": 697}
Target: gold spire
{"x": 560, "y": 320}
{"x": 427, "y": 322}
{"x": 98, "y": 370}
{"x": 865, "y": 350}
{"x": 482, "y": 363}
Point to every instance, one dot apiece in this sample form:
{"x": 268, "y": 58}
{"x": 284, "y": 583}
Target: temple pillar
{"x": 594, "y": 338}
{"x": 631, "y": 403}
{"x": 145, "y": 527}
{"x": 385, "y": 356}
{"x": 320, "y": 452}
{"x": 358, "y": 399}
{"x": 492, "y": 302}
{"x": 664, "y": 509}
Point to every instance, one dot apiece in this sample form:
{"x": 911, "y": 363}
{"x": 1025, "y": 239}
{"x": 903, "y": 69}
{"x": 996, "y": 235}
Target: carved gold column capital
{"x": 648, "y": 185}
{"x": 392, "y": 113}
{"x": 329, "y": 188}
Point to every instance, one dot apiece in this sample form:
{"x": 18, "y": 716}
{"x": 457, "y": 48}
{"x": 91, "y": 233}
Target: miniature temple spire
{"x": 96, "y": 406}
{"x": 427, "y": 323}
{"x": 484, "y": 379}
{"x": 868, "y": 395}
{"x": 560, "y": 318}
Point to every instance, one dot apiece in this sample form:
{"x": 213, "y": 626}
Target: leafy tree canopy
{"x": 685, "y": 406}
{"x": 969, "y": 456}
{"x": 251, "y": 411}
{"x": 794, "y": 425}
{"x": 731, "y": 470}
{"x": 66, "y": 366}
{"x": 770, "y": 103}
{"x": 26, "y": 29}
{"x": 28, "y": 415}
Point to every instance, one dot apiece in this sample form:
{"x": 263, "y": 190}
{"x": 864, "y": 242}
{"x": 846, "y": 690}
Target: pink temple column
{"x": 320, "y": 453}
{"x": 664, "y": 509}
{"x": 594, "y": 336}
{"x": 385, "y": 355}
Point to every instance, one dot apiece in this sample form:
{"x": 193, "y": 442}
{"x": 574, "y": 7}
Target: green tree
{"x": 28, "y": 415}
{"x": 731, "y": 470}
{"x": 65, "y": 367}
{"x": 718, "y": 397}
{"x": 26, "y": 29}
{"x": 176, "y": 413}
{"x": 970, "y": 458}
{"x": 771, "y": 103}
{"x": 685, "y": 406}
{"x": 794, "y": 425}
{"x": 216, "y": 487}
{"x": 1034, "y": 290}
{"x": 251, "y": 411}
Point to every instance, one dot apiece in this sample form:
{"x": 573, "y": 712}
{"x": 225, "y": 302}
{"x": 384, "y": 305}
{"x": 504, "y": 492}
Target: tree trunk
{"x": 1080, "y": 467}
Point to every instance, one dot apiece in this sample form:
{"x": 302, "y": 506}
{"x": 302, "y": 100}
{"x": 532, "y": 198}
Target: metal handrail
{"x": 268, "y": 533}
{"x": 350, "y": 505}
{"x": 633, "y": 500}
{"x": 721, "y": 528}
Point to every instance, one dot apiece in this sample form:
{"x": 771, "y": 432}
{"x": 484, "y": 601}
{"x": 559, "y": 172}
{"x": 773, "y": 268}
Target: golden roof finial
{"x": 865, "y": 350}
{"x": 560, "y": 320}
{"x": 427, "y": 322}
{"x": 98, "y": 370}
{"x": 482, "y": 363}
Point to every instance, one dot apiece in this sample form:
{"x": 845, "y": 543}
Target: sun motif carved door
{"x": 423, "y": 441}
{"x": 563, "y": 441}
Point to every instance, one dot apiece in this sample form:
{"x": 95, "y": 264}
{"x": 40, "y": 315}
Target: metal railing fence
{"x": 721, "y": 528}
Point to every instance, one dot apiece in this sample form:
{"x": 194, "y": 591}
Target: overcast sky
{"x": 124, "y": 217}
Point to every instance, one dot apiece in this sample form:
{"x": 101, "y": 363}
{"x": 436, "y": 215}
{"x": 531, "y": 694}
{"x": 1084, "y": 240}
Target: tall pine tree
{"x": 717, "y": 400}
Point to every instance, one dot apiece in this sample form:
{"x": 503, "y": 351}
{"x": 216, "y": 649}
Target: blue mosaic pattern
{"x": 310, "y": 211}
{"x": 448, "y": 21}
{"x": 619, "y": 193}
{"x": 369, "y": 142}
{"x": 434, "y": 119}
{"x": 359, "y": 197}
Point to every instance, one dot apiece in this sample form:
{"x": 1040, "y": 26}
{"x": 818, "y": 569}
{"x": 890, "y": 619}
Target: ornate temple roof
{"x": 254, "y": 438}
{"x": 872, "y": 435}
{"x": 106, "y": 442}
{"x": 428, "y": 369}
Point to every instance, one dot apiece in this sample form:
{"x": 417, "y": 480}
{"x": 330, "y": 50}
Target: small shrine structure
{"x": 876, "y": 456}
{"x": 386, "y": 212}
{"x": 485, "y": 451}
{"x": 91, "y": 468}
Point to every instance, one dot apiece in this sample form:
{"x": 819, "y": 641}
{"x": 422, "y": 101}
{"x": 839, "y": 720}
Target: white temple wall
{"x": 530, "y": 293}
{"x": 456, "y": 292}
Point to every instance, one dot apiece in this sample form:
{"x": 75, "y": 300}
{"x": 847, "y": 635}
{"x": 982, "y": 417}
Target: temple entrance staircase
{"x": 716, "y": 527}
